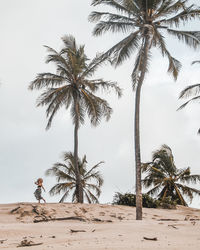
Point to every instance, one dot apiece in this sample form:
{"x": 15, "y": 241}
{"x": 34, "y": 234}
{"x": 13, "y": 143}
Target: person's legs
{"x": 44, "y": 200}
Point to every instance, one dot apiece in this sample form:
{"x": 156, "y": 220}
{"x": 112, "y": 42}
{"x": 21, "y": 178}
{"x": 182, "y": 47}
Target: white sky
{"x": 27, "y": 150}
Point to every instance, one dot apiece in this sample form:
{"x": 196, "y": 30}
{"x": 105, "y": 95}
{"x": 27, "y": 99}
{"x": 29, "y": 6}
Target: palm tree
{"x": 65, "y": 174}
{"x": 72, "y": 87}
{"x": 146, "y": 22}
{"x": 192, "y": 90}
{"x": 167, "y": 180}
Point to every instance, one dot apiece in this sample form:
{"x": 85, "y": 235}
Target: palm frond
{"x": 169, "y": 7}
{"x": 64, "y": 197}
{"x": 74, "y": 195}
{"x": 106, "y": 26}
{"x": 194, "y": 179}
{"x": 96, "y": 107}
{"x": 184, "y": 16}
{"x": 141, "y": 65}
{"x": 174, "y": 64}
{"x": 55, "y": 98}
{"x": 47, "y": 80}
{"x": 183, "y": 202}
{"x": 197, "y": 98}
{"x": 190, "y": 38}
{"x": 155, "y": 190}
{"x": 186, "y": 188}
{"x": 127, "y": 47}
{"x": 93, "y": 187}
{"x": 163, "y": 193}
{"x": 96, "y": 16}
{"x": 78, "y": 110}
{"x": 145, "y": 166}
{"x": 94, "y": 64}
{"x": 190, "y": 90}
{"x": 60, "y": 188}
{"x": 69, "y": 42}
{"x": 93, "y": 168}
{"x": 60, "y": 171}
{"x": 107, "y": 86}
{"x": 195, "y": 62}
{"x": 118, "y": 5}
{"x": 92, "y": 197}
{"x": 87, "y": 196}
{"x": 115, "y": 50}
{"x": 57, "y": 58}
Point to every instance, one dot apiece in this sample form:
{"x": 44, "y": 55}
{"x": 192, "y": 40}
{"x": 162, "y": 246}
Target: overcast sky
{"x": 27, "y": 150}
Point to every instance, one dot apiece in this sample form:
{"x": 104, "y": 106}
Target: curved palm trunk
{"x": 79, "y": 188}
{"x": 137, "y": 132}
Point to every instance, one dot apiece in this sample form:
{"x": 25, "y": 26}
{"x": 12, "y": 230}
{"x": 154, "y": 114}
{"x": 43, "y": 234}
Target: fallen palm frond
{"x": 59, "y": 219}
{"x": 28, "y": 243}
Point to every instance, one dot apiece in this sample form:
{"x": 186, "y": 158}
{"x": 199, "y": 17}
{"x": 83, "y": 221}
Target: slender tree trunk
{"x": 79, "y": 188}
{"x": 142, "y": 68}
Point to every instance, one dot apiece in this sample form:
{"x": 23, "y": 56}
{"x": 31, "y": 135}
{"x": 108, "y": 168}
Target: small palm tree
{"x": 65, "y": 174}
{"x": 146, "y": 24}
{"x": 192, "y": 90}
{"x": 167, "y": 180}
{"x": 72, "y": 87}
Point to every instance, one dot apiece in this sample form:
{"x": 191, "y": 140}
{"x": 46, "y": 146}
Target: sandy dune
{"x": 92, "y": 227}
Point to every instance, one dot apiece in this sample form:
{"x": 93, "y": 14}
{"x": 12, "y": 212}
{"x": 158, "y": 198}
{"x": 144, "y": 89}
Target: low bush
{"x": 167, "y": 203}
{"x": 129, "y": 199}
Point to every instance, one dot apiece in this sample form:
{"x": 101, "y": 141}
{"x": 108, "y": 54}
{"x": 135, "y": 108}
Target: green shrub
{"x": 168, "y": 203}
{"x": 129, "y": 199}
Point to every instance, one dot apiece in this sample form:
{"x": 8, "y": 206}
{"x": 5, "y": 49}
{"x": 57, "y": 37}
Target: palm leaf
{"x": 190, "y": 90}
{"x": 191, "y": 100}
{"x": 92, "y": 197}
{"x": 169, "y": 7}
{"x": 105, "y": 26}
{"x": 113, "y": 3}
{"x": 154, "y": 190}
{"x": 187, "y": 14}
{"x": 183, "y": 202}
{"x": 127, "y": 47}
{"x": 194, "y": 179}
{"x": 96, "y": 107}
{"x": 191, "y": 38}
{"x": 174, "y": 64}
{"x": 64, "y": 197}
{"x": 47, "y": 80}
{"x": 195, "y": 62}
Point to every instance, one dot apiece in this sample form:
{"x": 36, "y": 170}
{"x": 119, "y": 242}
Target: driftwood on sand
{"x": 147, "y": 238}
{"x": 77, "y": 231}
{"x": 28, "y": 243}
{"x": 168, "y": 220}
{"x": 46, "y": 219}
{"x": 172, "y": 226}
{"x": 59, "y": 219}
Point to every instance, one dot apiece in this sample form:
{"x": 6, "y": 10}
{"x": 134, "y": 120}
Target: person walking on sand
{"x": 38, "y": 191}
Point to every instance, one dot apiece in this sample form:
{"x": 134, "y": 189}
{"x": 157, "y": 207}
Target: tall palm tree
{"x": 167, "y": 180}
{"x": 72, "y": 87}
{"x": 65, "y": 174}
{"x": 146, "y": 23}
{"x": 192, "y": 90}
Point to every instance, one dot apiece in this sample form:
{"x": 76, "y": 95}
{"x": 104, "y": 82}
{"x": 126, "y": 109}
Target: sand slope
{"x": 99, "y": 227}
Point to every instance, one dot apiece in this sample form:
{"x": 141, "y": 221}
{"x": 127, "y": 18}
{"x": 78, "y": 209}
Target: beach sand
{"x": 97, "y": 226}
